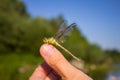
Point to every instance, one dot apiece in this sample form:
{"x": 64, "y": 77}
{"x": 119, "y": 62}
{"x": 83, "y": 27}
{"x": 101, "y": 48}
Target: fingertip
{"x": 46, "y": 50}
{"x": 42, "y": 48}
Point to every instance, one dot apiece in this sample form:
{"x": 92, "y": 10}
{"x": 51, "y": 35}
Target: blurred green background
{"x": 21, "y": 36}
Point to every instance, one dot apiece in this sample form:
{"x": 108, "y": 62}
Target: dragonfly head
{"x": 45, "y": 40}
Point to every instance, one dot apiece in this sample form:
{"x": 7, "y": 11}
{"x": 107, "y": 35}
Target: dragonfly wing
{"x": 62, "y": 27}
{"x": 62, "y": 39}
{"x": 60, "y": 31}
{"x": 64, "y": 31}
{"x": 69, "y": 29}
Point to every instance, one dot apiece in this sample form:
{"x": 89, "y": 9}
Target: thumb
{"x": 56, "y": 60}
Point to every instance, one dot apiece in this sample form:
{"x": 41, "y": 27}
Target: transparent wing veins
{"x": 64, "y": 31}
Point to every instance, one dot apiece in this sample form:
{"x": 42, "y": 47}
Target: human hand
{"x": 56, "y": 67}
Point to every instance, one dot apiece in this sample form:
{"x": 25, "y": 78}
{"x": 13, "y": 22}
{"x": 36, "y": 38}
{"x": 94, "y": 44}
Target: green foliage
{"x": 98, "y": 74}
{"x": 11, "y": 13}
{"x": 114, "y": 54}
{"x": 17, "y": 66}
{"x": 13, "y": 7}
{"x": 94, "y": 54}
{"x": 20, "y": 33}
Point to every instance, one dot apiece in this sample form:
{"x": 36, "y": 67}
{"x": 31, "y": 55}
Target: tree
{"x": 94, "y": 54}
{"x": 11, "y": 12}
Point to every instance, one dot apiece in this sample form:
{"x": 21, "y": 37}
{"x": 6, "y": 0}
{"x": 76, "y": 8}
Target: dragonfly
{"x": 59, "y": 36}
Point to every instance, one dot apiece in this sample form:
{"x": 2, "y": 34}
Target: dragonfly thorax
{"x": 50, "y": 41}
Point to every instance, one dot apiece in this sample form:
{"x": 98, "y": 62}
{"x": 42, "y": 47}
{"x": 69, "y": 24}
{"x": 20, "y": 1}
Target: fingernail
{"x": 46, "y": 50}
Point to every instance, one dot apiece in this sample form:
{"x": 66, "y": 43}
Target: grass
{"x": 18, "y": 66}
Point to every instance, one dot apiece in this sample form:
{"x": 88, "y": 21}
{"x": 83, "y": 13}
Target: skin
{"x": 56, "y": 67}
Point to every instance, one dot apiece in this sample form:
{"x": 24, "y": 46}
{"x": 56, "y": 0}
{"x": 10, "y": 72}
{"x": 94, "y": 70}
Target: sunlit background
{"x": 99, "y": 20}
{"x": 24, "y": 24}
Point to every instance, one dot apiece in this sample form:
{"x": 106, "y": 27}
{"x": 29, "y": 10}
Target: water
{"x": 114, "y": 75}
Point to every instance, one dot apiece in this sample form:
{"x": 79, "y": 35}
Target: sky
{"x": 98, "y": 20}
